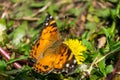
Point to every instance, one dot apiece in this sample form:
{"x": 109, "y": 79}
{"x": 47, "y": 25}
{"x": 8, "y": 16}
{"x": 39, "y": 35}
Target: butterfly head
{"x": 48, "y": 20}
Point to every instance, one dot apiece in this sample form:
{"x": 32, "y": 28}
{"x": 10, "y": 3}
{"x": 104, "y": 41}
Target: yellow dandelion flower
{"x": 77, "y": 48}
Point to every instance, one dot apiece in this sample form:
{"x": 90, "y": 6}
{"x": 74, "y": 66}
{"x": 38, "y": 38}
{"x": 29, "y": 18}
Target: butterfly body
{"x": 50, "y": 54}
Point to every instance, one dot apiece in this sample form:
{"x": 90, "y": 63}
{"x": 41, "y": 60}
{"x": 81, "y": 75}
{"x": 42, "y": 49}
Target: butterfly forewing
{"x": 49, "y": 35}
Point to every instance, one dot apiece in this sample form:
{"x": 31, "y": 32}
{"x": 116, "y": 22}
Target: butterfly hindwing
{"x": 65, "y": 61}
{"x": 56, "y": 59}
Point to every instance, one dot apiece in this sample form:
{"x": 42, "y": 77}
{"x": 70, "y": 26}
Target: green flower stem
{"x": 107, "y": 55}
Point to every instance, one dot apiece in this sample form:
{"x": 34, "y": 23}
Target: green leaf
{"x": 113, "y": 1}
{"x": 105, "y": 31}
{"x": 102, "y": 12}
{"x": 25, "y": 48}
{"x": 113, "y": 14}
{"x": 101, "y": 65}
{"x": 111, "y": 30}
{"x": 42, "y": 18}
{"x": 3, "y": 21}
{"x": 118, "y": 10}
{"x": 109, "y": 69}
{"x": 19, "y": 33}
{"x": 92, "y": 18}
{"x": 87, "y": 44}
{"x": 91, "y": 26}
{"x": 16, "y": 1}
{"x": 52, "y": 9}
{"x": 2, "y": 65}
{"x": 10, "y": 23}
{"x": 17, "y": 59}
{"x": 94, "y": 77}
{"x": 38, "y": 4}
{"x": 3, "y": 35}
{"x": 116, "y": 45}
{"x": 77, "y": 11}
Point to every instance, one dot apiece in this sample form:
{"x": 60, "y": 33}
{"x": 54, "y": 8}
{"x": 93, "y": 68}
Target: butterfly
{"x": 49, "y": 53}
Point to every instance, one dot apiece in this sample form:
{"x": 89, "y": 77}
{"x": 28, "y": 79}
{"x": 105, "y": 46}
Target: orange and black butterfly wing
{"x": 49, "y": 35}
{"x": 50, "y": 53}
{"x": 65, "y": 60}
{"x": 41, "y": 52}
{"x": 45, "y": 62}
{"x": 56, "y": 59}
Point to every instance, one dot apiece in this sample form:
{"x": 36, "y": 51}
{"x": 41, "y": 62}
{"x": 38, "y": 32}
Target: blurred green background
{"x": 95, "y": 22}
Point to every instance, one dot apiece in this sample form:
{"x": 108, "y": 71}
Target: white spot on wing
{"x": 72, "y": 66}
{"x": 74, "y": 61}
{"x": 46, "y": 24}
{"x": 47, "y": 19}
{"x": 66, "y": 70}
{"x": 67, "y": 65}
{"x": 63, "y": 70}
{"x": 50, "y": 17}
